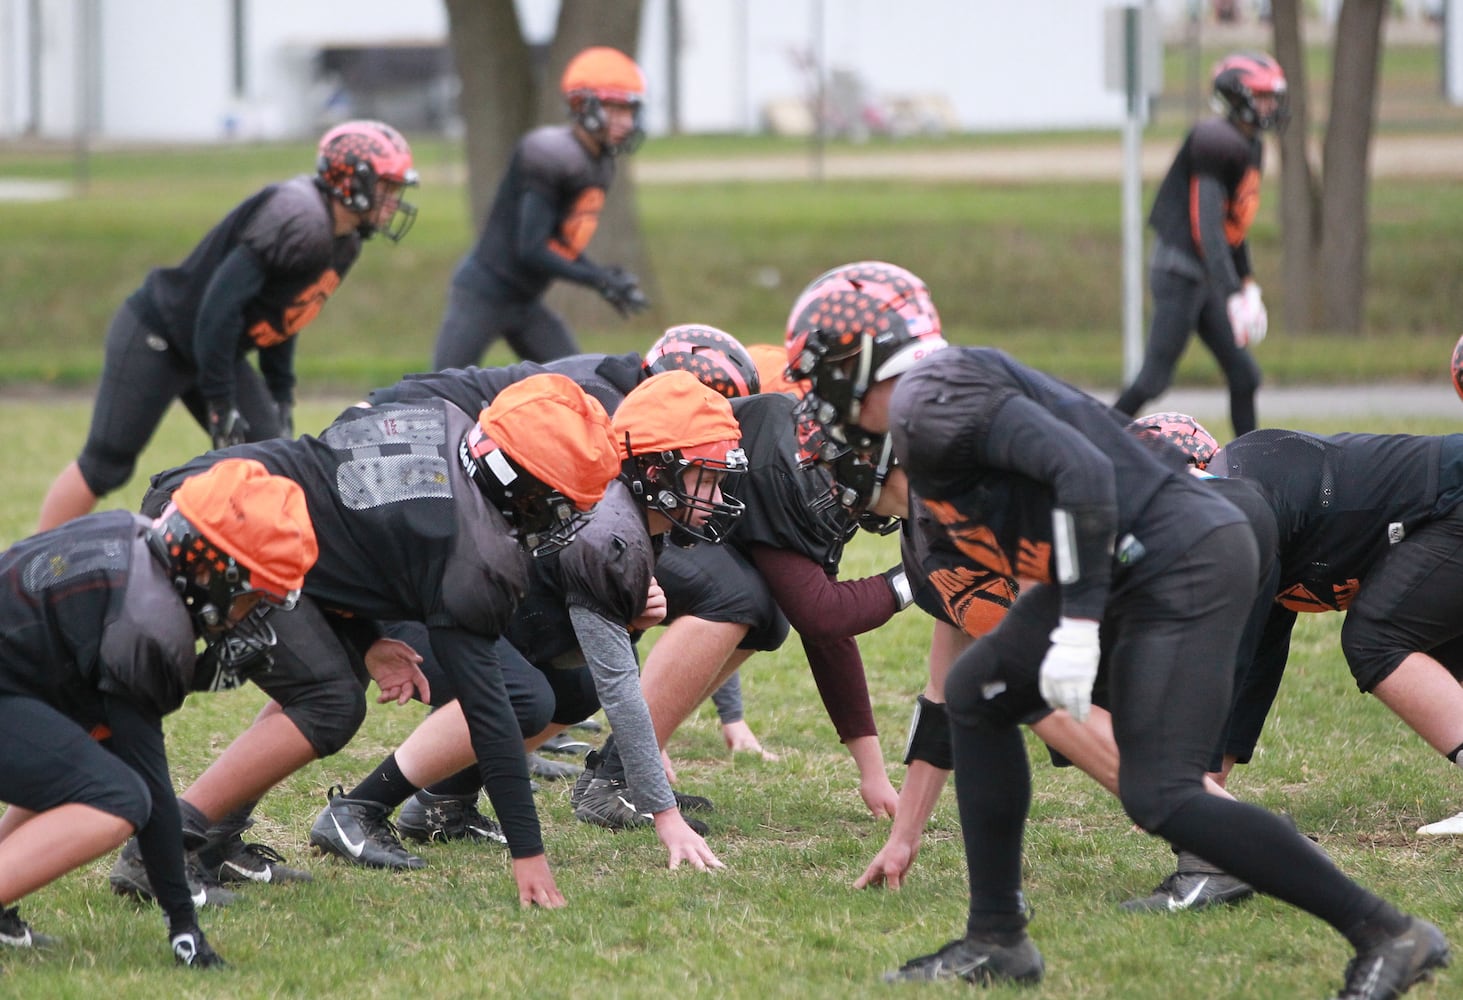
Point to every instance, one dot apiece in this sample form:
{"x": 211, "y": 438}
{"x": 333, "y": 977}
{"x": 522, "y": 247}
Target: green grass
{"x": 781, "y": 920}
{"x": 1030, "y": 266}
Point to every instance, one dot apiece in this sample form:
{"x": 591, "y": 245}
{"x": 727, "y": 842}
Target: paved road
{"x": 1421, "y": 156}
{"x": 1279, "y": 404}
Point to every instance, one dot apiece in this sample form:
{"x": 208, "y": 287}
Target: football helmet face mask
{"x": 539, "y": 516}
{"x": 600, "y": 77}
{"x": 692, "y": 487}
{"x": 1180, "y": 430}
{"x": 853, "y": 326}
{"x": 366, "y": 166}
{"x": 1249, "y": 87}
{"x": 714, "y": 356}
{"x": 227, "y": 610}
{"x": 859, "y": 473}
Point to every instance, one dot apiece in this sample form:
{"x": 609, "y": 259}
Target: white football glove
{"x": 1070, "y": 667}
{"x": 1247, "y": 316}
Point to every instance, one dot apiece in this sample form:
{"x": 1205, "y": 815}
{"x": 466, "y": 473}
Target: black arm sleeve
{"x": 471, "y": 661}
{"x": 137, "y": 739}
{"x": 1025, "y": 438}
{"x": 1218, "y": 258}
{"x": 220, "y": 321}
{"x": 536, "y": 224}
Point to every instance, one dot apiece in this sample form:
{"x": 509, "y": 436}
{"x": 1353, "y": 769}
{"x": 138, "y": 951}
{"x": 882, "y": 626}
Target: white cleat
{"x": 1450, "y": 827}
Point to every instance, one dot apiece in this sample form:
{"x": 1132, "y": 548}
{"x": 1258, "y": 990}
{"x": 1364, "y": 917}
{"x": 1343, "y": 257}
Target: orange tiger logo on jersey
{"x": 579, "y": 225}
{"x": 298, "y": 314}
{"x": 1299, "y": 598}
{"x": 976, "y": 601}
{"x": 976, "y": 541}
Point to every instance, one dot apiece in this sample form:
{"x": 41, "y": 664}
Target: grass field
{"x": 1027, "y": 266}
{"x": 782, "y": 919}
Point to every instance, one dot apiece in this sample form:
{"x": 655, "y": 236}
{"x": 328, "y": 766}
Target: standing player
{"x": 1132, "y": 558}
{"x": 100, "y": 618}
{"x": 542, "y": 219}
{"x": 253, "y": 283}
{"x": 1200, "y": 269}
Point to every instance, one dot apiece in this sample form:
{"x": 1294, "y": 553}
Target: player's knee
{"x": 104, "y": 470}
{"x": 328, "y": 714}
{"x": 1244, "y": 375}
{"x": 1152, "y": 804}
{"x": 976, "y": 696}
{"x": 1371, "y": 651}
{"x": 125, "y": 796}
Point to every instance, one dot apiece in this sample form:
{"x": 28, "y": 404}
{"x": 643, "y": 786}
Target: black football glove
{"x": 226, "y": 425}
{"x": 192, "y": 949}
{"x": 621, "y": 289}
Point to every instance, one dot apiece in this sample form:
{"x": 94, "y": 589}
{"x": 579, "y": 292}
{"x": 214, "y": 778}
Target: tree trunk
{"x": 617, "y": 240}
{"x": 1300, "y": 214}
{"x": 496, "y": 99}
{"x": 1324, "y": 222}
{"x": 1342, "y": 259}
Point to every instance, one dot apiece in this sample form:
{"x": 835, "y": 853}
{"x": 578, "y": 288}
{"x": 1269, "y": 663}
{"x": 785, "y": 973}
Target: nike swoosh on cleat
{"x": 1188, "y": 901}
{"x": 631, "y": 806}
{"x": 267, "y": 875}
{"x": 200, "y": 898}
{"x": 23, "y": 941}
{"x": 964, "y": 969}
{"x": 350, "y": 845}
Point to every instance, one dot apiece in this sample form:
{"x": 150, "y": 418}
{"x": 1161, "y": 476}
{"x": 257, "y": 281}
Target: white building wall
{"x": 165, "y": 69}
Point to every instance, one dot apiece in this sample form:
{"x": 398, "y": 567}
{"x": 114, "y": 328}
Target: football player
{"x": 253, "y": 283}
{"x": 423, "y": 514}
{"x": 1200, "y": 271}
{"x": 1139, "y": 568}
{"x": 542, "y": 219}
{"x": 101, "y": 617}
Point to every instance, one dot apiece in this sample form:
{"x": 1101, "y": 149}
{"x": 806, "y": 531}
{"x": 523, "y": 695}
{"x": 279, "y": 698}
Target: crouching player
{"x": 101, "y": 618}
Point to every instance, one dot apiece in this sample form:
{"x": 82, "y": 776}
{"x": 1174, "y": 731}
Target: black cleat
{"x": 229, "y": 859}
{"x": 609, "y": 802}
{"x": 427, "y": 817}
{"x": 552, "y": 770}
{"x": 975, "y": 961}
{"x": 563, "y": 743}
{"x": 1195, "y": 885}
{"x": 359, "y": 832}
{"x": 16, "y": 933}
{"x": 129, "y": 878}
{"x": 1395, "y": 966}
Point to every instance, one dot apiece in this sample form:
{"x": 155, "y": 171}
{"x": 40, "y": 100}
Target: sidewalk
{"x": 1280, "y": 404}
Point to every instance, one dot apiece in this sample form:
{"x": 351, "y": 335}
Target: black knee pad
{"x": 328, "y": 714}
{"x": 104, "y": 470}
{"x": 1371, "y": 649}
{"x": 976, "y": 696}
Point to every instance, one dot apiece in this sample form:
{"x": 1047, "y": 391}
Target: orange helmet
{"x": 771, "y": 362}
{"x": 543, "y": 454}
{"x": 672, "y": 425}
{"x": 361, "y": 163}
{"x": 229, "y": 532}
{"x": 714, "y": 356}
{"x": 598, "y": 76}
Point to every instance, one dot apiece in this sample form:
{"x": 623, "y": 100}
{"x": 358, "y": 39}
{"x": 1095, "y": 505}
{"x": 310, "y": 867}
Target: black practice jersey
{"x": 1342, "y": 500}
{"x": 606, "y": 570}
{"x": 606, "y": 377}
{"x": 1202, "y": 221}
{"x": 404, "y": 532}
{"x": 991, "y": 447}
{"x": 288, "y": 230}
{"x": 778, "y": 492}
{"x": 549, "y": 164}
{"x": 85, "y": 610}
